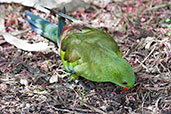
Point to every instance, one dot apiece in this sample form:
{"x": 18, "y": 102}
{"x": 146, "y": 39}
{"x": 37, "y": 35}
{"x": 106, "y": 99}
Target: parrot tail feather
{"x": 37, "y": 30}
{"x": 62, "y": 14}
{"x": 61, "y": 25}
{"x": 42, "y": 27}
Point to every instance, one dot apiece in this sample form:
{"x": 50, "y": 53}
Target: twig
{"x": 158, "y": 88}
{"x": 158, "y": 6}
{"x": 145, "y": 76}
{"x": 20, "y": 32}
{"x": 64, "y": 110}
{"x": 71, "y": 111}
{"x": 149, "y": 54}
{"x": 143, "y": 101}
{"x": 141, "y": 64}
{"x": 157, "y": 102}
{"x": 93, "y": 108}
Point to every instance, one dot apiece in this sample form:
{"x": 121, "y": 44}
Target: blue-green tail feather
{"x": 42, "y": 27}
{"x": 61, "y": 24}
{"x": 47, "y": 29}
{"x": 62, "y": 14}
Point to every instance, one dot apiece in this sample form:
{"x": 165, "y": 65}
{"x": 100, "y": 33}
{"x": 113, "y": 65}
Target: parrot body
{"x": 86, "y": 51}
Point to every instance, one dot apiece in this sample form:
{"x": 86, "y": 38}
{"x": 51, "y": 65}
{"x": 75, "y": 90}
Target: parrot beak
{"x": 124, "y": 88}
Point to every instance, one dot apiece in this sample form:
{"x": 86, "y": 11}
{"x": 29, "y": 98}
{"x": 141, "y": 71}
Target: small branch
{"x": 149, "y": 54}
{"x": 93, "y": 108}
{"x": 158, "y": 6}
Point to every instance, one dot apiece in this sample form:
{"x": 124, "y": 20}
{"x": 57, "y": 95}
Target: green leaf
{"x": 169, "y": 26}
{"x": 167, "y": 20}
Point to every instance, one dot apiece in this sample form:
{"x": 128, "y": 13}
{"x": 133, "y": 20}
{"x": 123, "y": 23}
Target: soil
{"x": 143, "y": 34}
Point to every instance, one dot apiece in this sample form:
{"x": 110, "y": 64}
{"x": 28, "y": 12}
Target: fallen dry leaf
{"x": 24, "y": 45}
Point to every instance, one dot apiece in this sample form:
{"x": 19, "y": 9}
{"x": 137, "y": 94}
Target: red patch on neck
{"x": 66, "y": 28}
{"x": 64, "y": 33}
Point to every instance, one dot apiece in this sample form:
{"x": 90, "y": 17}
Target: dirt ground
{"x": 35, "y": 82}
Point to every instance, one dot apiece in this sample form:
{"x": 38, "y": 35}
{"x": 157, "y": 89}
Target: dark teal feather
{"x": 42, "y": 27}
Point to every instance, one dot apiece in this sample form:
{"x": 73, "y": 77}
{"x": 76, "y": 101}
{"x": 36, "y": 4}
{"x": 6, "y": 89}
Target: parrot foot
{"x": 80, "y": 82}
{"x": 73, "y": 78}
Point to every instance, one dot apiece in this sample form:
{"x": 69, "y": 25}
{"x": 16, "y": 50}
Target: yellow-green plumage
{"x": 96, "y": 57}
{"x": 92, "y": 54}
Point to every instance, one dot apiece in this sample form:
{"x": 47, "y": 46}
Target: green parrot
{"x": 85, "y": 51}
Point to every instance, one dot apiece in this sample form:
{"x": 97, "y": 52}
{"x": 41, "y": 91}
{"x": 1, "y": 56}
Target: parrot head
{"x": 123, "y": 74}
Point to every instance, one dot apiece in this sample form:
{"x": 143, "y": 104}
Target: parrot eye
{"x": 124, "y": 83}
